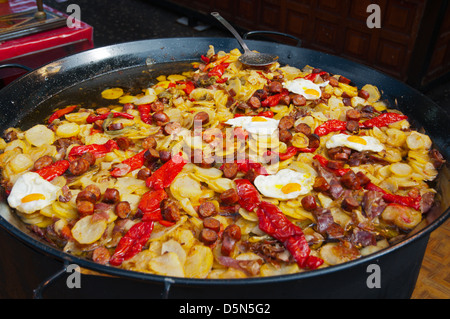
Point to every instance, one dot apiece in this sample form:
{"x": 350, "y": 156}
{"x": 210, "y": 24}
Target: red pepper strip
{"x": 189, "y": 86}
{"x": 249, "y": 197}
{"x": 218, "y": 70}
{"x": 165, "y": 175}
{"x": 149, "y": 205}
{"x": 212, "y": 65}
{"x": 144, "y": 111}
{"x": 313, "y": 76}
{"x": 413, "y": 202}
{"x": 205, "y": 59}
{"x": 273, "y": 222}
{"x": 324, "y": 163}
{"x": 98, "y": 150}
{"x": 53, "y": 170}
{"x": 61, "y": 112}
{"x": 221, "y": 80}
{"x": 274, "y": 100}
{"x": 246, "y": 165}
{"x": 330, "y": 126}
{"x": 132, "y": 242}
{"x": 383, "y": 120}
{"x": 130, "y": 164}
{"x": 93, "y": 118}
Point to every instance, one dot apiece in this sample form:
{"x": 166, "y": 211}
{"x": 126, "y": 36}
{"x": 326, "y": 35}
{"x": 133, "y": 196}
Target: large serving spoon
{"x": 249, "y": 57}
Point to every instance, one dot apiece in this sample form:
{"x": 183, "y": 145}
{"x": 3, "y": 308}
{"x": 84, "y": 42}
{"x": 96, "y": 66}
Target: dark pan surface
{"x": 81, "y": 78}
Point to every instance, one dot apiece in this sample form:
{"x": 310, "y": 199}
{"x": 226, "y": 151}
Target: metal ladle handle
{"x": 232, "y": 30}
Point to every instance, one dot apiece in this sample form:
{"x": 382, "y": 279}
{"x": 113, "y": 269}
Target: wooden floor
{"x": 434, "y": 277}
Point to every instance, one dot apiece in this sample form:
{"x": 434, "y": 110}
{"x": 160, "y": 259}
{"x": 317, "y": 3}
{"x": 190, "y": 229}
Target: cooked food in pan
{"x": 224, "y": 171}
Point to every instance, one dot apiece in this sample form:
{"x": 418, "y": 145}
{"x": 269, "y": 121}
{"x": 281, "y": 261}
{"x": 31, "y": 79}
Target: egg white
{"x": 32, "y": 183}
{"x": 255, "y": 124}
{"x": 310, "y": 90}
{"x": 272, "y": 185}
{"x": 371, "y": 143}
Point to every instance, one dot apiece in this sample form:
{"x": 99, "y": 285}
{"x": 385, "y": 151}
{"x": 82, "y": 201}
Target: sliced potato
{"x": 167, "y": 264}
{"x": 374, "y": 93}
{"x": 39, "y": 135}
{"x": 199, "y": 262}
{"x": 67, "y": 130}
{"x": 112, "y": 94}
{"x": 87, "y": 232}
{"x": 402, "y": 216}
{"x": 400, "y": 169}
{"x": 20, "y": 163}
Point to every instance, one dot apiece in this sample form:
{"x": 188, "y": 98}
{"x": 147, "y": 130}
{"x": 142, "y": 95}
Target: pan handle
{"x": 38, "y": 292}
{"x": 15, "y": 66}
{"x": 250, "y": 33}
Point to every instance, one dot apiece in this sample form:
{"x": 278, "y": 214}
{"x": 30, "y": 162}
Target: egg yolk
{"x": 312, "y": 92}
{"x": 258, "y": 119}
{"x": 32, "y": 198}
{"x": 290, "y": 188}
{"x": 357, "y": 139}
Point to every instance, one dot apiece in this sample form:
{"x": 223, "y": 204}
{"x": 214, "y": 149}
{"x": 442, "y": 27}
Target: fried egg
{"x": 286, "y": 184}
{"x": 308, "y": 89}
{"x": 31, "y": 193}
{"x": 357, "y": 143}
{"x": 255, "y": 124}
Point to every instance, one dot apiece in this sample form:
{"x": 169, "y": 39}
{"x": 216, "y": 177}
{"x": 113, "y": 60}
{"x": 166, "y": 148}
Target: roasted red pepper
{"x": 132, "y": 242}
{"x": 149, "y": 205}
{"x": 61, "y": 113}
{"x": 92, "y": 118}
{"x": 383, "y": 120}
{"x": 165, "y": 175}
{"x": 274, "y": 100}
{"x": 273, "y": 222}
{"x": 331, "y": 126}
{"x": 249, "y": 197}
{"x": 413, "y": 202}
{"x": 188, "y": 86}
{"x": 98, "y": 150}
{"x": 54, "y": 170}
{"x": 205, "y": 59}
{"x": 129, "y": 165}
{"x": 144, "y": 111}
{"x": 212, "y": 65}
{"x": 218, "y": 70}
{"x": 291, "y": 152}
{"x": 246, "y": 165}
{"x": 324, "y": 163}
{"x": 313, "y": 76}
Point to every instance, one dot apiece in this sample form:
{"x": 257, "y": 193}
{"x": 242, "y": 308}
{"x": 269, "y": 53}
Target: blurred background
{"x": 412, "y": 45}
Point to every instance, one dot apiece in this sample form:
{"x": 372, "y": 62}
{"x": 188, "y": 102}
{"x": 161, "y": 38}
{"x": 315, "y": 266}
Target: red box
{"x": 38, "y": 49}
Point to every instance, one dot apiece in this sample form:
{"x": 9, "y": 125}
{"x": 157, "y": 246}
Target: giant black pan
{"x": 80, "y": 78}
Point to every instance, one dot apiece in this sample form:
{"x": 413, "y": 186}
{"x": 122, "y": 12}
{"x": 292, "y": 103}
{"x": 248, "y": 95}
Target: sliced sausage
{"x": 229, "y": 197}
{"x": 85, "y": 208}
{"x": 79, "y": 166}
{"x": 350, "y": 181}
{"x": 94, "y": 189}
{"x": 170, "y": 210}
{"x": 144, "y": 173}
{"x": 157, "y": 106}
{"x": 212, "y": 224}
{"x": 353, "y": 115}
{"x": 172, "y": 128}
{"x": 111, "y": 196}
{"x": 85, "y": 195}
{"x": 208, "y": 236}
{"x": 286, "y": 123}
{"x": 160, "y": 118}
{"x": 43, "y": 162}
{"x": 150, "y": 156}
{"x": 122, "y": 209}
{"x": 230, "y": 170}
{"x": 349, "y": 203}
{"x": 231, "y": 235}
{"x": 321, "y": 184}
{"x": 149, "y": 142}
{"x": 299, "y": 100}
{"x": 254, "y": 102}
{"x": 115, "y": 126}
{"x": 314, "y": 141}
{"x": 165, "y": 156}
{"x": 207, "y": 209}
{"x": 275, "y": 87}
{"x": 352, "y": 126}
{"x": 309, "y": 203}
{"x": 101, "y": 255}
{"x": 201, "y": 117}
{"x": 88, "y": 156}
{"x": 285, "y": 136}
{"x": 303, "y": 128}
